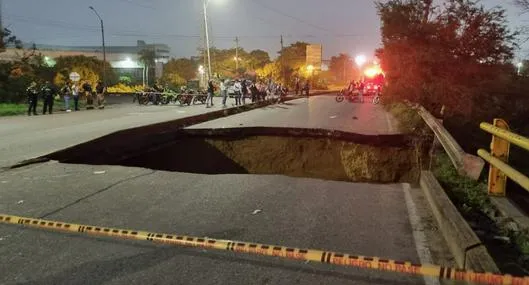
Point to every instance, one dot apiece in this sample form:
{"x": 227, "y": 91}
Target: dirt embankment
{"x": 312, "y": 153}
{"x": 320, "y": 158}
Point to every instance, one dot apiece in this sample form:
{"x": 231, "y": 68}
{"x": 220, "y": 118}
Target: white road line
{"x": 388, "y": 121}
{"x": 418, "y": 234}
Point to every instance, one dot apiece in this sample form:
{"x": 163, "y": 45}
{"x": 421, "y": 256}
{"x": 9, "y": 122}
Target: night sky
{"x": 350, "y": 26}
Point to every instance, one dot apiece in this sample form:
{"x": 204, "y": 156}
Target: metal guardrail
{"x": 499, "y": 156}
{"x": 464, "y": 163}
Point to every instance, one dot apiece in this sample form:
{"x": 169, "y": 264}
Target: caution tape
{"x": 342, "y": 259}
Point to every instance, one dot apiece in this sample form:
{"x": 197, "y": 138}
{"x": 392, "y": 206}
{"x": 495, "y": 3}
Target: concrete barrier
{"x": 463, "y": 243}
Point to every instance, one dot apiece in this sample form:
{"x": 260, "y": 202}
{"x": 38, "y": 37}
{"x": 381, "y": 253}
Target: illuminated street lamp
{"x": 310, "y": 69}
{"x": 202, "y": 72}
{"x": 519, "y": 65}
{"x": 360, "y": 60}
{"x": 104, "y": 48}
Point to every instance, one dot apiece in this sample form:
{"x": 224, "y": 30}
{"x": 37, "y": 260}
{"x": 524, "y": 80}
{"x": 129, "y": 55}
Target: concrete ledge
{"x": 509, "y": 211}
{"x": 464, "y": 244}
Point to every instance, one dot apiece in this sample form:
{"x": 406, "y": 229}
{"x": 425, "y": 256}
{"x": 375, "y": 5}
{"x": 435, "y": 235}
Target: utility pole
{"x": 104, "y": 48}
{"x": 236, "y": 55}
{"x": 283, "y": 71}
{"x": 1, "y": 18}
{"x": 207, "y": 36}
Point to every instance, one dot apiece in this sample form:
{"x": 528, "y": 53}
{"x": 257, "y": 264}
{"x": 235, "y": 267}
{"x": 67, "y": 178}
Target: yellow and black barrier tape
{"x": 342, "y": 259}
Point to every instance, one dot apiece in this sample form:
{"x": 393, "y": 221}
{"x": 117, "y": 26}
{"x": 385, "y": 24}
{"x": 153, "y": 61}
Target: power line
{"x": 290, "y": 16}
{"x": 138, "y": 4}
{"x": 124, "y": 33}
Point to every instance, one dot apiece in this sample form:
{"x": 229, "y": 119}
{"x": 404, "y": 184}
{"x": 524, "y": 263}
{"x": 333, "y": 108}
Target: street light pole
{"x": 104, "y": 48}
{"x": 207, "y": 36}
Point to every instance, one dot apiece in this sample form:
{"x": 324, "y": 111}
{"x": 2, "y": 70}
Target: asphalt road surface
{"x": 364, "y": 219}
{"x": 315, "y": 112}
{"x": 24, "y": 137}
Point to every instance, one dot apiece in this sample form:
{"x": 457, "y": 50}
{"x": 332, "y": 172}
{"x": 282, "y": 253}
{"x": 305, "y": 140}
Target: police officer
{"x": 47, "y": 91}
{"x": 33, "y": 97}
{"x": 87, "y": 88}
{"x": 100, "y": 91}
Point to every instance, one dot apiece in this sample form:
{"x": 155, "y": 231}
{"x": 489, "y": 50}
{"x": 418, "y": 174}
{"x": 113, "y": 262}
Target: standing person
{"x": 66, "y": 92}
{"x": 48, "y": 92}
{"x": 244, "y": 91}
{"x": 223, "y": 92}
{"x": 211, "y": 91}
{"x": 100, "y": 93}
{"x": 255, "y": 92}
{"x": 361, "y": 87}
{"x": 87, "y": 88}
{"x": 75, "y": 95}
{"x": 33, "y": 98}
{"x": 297, "y": 86}
{"x": 307, "y": 88}
{"x": 238, "y": 92}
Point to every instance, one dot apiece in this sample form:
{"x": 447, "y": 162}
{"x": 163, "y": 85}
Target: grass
{"x": 409, "y": 120}
{"x": 9, "y": 109}
{"x": 468, "y": 195}
{"x": 12, "y": 109}
{"x": 472, "y": 200}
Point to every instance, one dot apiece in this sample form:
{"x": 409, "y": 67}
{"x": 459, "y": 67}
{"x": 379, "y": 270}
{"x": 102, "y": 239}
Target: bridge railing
{"x": 498, "y": 157}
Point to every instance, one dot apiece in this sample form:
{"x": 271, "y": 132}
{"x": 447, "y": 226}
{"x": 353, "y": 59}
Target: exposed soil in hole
{"x": 310, "y": 153}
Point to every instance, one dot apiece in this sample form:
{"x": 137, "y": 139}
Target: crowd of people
{"x": 242, "y": 89}
{"x": 357, "y": 86}
{"x": 70, "y": 91}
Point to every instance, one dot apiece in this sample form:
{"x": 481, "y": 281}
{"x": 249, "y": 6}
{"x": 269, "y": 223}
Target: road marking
{"x": 333, "y": 117}
{"x": 418, "y": 234}
{"x": 388, "y": 121}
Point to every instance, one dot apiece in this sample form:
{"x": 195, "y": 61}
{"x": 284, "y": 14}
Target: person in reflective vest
{"x": 33, "y": 98}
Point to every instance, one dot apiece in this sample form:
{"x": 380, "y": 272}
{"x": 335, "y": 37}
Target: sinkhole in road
{"x": 311, "y": 153}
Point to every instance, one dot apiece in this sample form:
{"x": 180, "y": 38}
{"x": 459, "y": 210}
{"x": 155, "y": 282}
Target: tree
{"x": 448, "y": 55}
{"x": 147, "y": 56}
{"x": 183, "y": 67}
{"x": 292, "y": 59}
{"x": 90, "y": 69}
{"x": 523, "y": 4}
{"x": 258, "y": 59}
{"x": 224, "y": 61}
{"x": 270, "y": 71}
{"x": 8, "y": 39}
{"x": 16, "y": 75}
{"x": 342, "y": 67}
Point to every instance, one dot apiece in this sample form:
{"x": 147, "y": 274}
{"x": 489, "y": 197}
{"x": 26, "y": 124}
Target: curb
{"x": 463, "y": 243}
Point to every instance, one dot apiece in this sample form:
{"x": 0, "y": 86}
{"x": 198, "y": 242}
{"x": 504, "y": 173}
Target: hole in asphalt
{"x": 312, "y": 153}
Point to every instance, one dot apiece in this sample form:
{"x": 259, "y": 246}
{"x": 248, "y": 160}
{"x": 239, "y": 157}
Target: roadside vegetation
{"x": 13, "y": 109}
{"x": 456, "y": 59}
{"x": 507, "y": 243}
{"x": 409, "y": 121}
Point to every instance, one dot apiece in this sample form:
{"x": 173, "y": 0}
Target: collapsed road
{"x": 138, "y": 179}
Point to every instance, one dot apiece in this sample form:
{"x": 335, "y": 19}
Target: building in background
{"x": 314, "y": 56}
{"x": 123, "y": 59}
